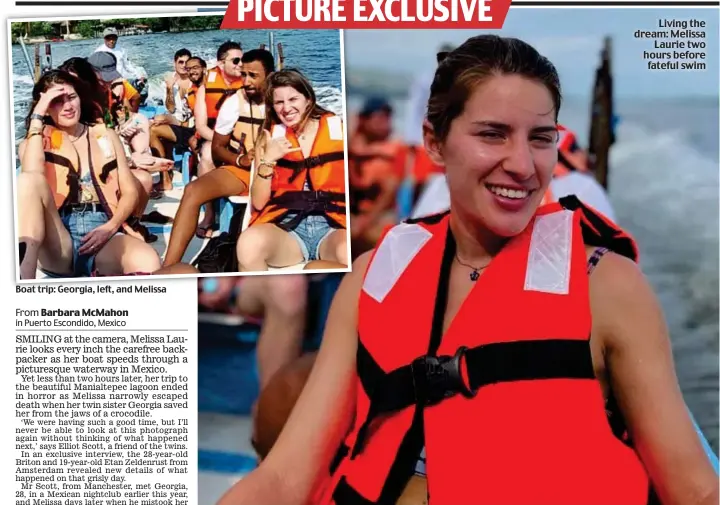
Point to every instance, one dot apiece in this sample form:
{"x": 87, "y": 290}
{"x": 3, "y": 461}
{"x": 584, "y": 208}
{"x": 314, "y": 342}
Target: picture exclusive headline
{"x": 355, "y": 14}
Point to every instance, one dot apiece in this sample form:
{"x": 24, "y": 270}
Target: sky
{"x": 571, "y": 38}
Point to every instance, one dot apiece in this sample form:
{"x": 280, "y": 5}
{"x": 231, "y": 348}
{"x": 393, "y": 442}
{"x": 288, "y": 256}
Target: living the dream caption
{"x": 678, "y": 44}
{"x": 101, "y": 413}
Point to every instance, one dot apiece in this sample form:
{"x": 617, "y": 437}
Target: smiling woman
{"x": 298, "y": 190}
{"x": 550, "y": 362}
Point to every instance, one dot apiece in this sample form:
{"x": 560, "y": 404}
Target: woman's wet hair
{"x": 479, "y": 58}
{"x": 86, "y": 73}
{"x": 89, "y": 113}
{"x": 295, "y": 79}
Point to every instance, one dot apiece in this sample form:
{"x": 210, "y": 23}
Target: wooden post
{"x": 281, "y": 57}
{"x": 601, "y": 117}
{"x": 37, "y": 62}
{"x": 47, "y": 62}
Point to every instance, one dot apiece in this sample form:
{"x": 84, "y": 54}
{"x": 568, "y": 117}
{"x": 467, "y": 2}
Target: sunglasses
{"x": 235, "y": 61}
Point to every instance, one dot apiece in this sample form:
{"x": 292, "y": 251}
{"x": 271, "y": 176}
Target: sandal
{"x": 201, "y": 232}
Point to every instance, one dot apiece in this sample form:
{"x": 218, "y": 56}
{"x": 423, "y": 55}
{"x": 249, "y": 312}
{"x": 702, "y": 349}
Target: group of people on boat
{"x": 507, "y": 321}
{"x": 252, "y": 130}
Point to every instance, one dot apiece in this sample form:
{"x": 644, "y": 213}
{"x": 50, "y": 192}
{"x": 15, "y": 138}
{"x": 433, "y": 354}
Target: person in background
{"x": 122, "y": 115}
{"x": 221, "y": 82}
{"x": 126, "y": 68}
{"x": 380, "y": 168}
{"x": 241, "y": 117}
{"x": 164, "y": 131}
{"x": 177, "y": 85}
{"x": 373, "y": 157}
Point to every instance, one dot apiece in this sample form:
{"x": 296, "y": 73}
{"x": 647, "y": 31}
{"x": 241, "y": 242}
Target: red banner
{"x": 359, "y": 14}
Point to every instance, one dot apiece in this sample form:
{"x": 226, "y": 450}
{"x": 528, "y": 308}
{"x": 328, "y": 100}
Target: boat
{"x": 167, "y": 205}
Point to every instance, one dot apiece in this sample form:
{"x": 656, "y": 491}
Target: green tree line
{"x": 89, "y": 28}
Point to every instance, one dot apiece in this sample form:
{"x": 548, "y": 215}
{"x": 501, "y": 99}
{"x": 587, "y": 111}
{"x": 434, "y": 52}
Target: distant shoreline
{"x": 73, "y": 37}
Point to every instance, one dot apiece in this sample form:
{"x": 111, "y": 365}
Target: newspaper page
{"x": 233, "y": 220}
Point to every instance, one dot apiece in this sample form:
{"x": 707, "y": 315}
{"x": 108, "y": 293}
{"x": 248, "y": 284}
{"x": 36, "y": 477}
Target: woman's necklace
{"x": 302, "y": 134}
{"x": 82, "y": 132}
{"x": 475, "y": 274}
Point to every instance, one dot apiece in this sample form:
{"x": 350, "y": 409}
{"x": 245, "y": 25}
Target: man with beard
{"x": 237, "y": 126}
{"x": 164, "y": 131}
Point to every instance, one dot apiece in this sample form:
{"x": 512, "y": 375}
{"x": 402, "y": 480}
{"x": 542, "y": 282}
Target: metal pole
{"x": 27, "y": 56}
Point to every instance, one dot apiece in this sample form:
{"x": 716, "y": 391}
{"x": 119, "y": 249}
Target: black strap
{"x": 107, "y": 168}
{"x": 342, "y": 451}
{"x": 250, "y": 120}
{"x": 58, "y": 159}
{"x": 429, "y": 379}
{"x": 598, "y": 233}
{"x": 371, "y": 376}
{"x": 73, "y": 177}
{"x": 221, "y": 91}
{"x": 306, "y": 203}
{"x": 297, "y": 166}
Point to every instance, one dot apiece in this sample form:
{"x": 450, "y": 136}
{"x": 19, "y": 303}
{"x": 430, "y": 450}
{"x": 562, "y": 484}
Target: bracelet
{"x": 37, "y": 116}
{"x": 31, "y": 134}
{"x": 267, "y": 176}
{"x": 238, "y": 159}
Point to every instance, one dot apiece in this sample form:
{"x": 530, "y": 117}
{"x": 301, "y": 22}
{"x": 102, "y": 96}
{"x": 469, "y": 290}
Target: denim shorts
{"x": 310, "y": 234}
{"x": 79, "y": 221}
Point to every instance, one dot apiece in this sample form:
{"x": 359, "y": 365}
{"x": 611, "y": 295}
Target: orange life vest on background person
{"x": 524, "y": 422}
{"x": 323, "y": 172}
{"x": 216, "y": 92}
{"x": 191, "y": 96}
{"x": 247, "y": 127}
{"x": 367, "y": 173}
{"x": 63, "y": 176}
{"x": 571, "y": 158}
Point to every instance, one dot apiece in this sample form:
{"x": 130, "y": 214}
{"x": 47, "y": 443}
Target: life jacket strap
{"x": 428, "y": 380}
{"x": 306, "y": 203}
{"x": 250, "y": 120}
{"x": 597, "y": 231}
{"x": 311, "y": 162}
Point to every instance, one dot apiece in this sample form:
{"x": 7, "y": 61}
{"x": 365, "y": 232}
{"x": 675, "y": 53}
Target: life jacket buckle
{"x": 436, "y": 378}
{"x": 312, "y": 161}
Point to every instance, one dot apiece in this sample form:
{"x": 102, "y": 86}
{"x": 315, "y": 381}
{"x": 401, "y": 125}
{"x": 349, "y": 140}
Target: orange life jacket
{"x": 508, "y": 407}
{"x": 119, "y": 104}
{"x": 247, "y": 127}
{"x": 571, "y": 158}
{"x": 191, "y": 96}
{"x": 366, "y": 174}
{"x": 216, "y": 92}
{"x": 61, "y": 171}
{"x": 323, "y": 171}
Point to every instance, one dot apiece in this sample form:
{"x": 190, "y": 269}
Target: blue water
{"x": 314, "y": 52}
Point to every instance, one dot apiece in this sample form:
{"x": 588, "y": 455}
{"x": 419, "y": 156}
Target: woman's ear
{"x": 432, "y": 144}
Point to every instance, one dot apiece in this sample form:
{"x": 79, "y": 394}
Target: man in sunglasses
{"x": 220, "y": 86}
{"x": 221, "y": 82}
